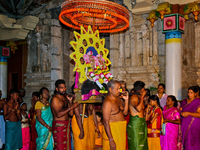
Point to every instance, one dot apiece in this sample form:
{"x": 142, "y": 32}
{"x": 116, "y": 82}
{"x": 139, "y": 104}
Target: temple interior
{"x": 40, "y": 46}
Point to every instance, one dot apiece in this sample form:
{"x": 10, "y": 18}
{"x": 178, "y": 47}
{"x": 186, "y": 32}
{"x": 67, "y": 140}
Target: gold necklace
{"x": 44, "y": 103}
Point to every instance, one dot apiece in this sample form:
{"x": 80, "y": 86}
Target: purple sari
{"x": 169, "y": 141}
{"x": 190, "y": 125}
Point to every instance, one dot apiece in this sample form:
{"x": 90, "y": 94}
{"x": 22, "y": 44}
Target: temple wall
{"x": 48, "y": 51}
{"x": 136, "y": 54}
{"x": 189, "y": 58}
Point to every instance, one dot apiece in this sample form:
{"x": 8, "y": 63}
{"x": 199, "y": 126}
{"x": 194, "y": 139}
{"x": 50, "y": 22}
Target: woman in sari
{"x": 161, "y": 95}
{"x": 171, "y": 116}
{"x": 154, "y": 122}
{"x": 190, "y": 108}
{"x": 44, "y": 121}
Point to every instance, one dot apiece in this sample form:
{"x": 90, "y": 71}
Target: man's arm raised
{"x": 134, "y": 101}
{"x": 106, "y": 109}
{"x": 78, "y": 119}
{"x": 95, "y": 120}
{"x": 70, "y": 103}
{"x": 126, "y": 98}
{"x": 56, "y": 107}
{"x": 17, "y": 108}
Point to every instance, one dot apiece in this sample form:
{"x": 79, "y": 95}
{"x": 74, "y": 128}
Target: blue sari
{"x": 45, "y": 138}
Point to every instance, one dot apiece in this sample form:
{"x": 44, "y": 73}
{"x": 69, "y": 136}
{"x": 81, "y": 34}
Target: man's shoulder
{"x": 134, "y": 97}
{"x": 107, "y": 101}
{"x": 2, "y": 102}
{"x": 55, "y": 98}
{"x": 6, "y": 103}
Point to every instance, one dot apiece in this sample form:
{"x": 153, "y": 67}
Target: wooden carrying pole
{"x": 83, "y": 114}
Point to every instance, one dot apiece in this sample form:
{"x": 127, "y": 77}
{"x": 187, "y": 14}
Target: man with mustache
{"x": 114, "y": 132}
{"x": 62, "y": 107}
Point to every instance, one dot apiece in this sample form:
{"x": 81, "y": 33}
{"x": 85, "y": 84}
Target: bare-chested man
{"x": 137, "y": 129}
{"x": 89, "y": 127}
{"x": 61, "y": 106}
{"x": 12, "y": 116}
{"x": 114, "y": 137}
{"x": 2, "y": 122}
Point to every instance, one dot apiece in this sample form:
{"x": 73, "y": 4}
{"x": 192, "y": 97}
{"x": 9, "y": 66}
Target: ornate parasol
{"x": 103, "y": 15}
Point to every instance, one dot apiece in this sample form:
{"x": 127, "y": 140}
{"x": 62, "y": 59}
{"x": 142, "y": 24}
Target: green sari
{"x": 45, "y": 139}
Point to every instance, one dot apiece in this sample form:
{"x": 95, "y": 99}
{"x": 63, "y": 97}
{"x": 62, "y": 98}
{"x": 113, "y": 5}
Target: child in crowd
{"x": 99, "y": 141}
{"x": 25, "y": 127}
{"x": 154, "y": 123}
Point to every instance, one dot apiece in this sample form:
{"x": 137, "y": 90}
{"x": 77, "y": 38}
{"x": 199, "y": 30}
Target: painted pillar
{"x": 173, "y": 27}
{"x": 3, "y": 76}
{"x": 173, "y": 70}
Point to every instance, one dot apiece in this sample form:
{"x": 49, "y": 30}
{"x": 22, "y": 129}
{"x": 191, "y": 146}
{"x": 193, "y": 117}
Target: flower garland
{"x": 104, "y": 68}
{"x": 97, "y": 70}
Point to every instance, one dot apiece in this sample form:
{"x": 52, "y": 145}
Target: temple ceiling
{"x": 16, "y": 18}
{"x": 145, "y": 6}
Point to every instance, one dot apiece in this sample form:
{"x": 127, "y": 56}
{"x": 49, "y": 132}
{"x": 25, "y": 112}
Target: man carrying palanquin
{"x": 61, "y": 107}
{"x": 88, "y": 128}
{"x": 114, "y": 136}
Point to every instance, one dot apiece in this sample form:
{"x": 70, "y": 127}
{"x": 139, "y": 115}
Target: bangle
{"x": 96, "y": 130}
{"x": 111, "y": 139}
{"x": 18, "y": 111}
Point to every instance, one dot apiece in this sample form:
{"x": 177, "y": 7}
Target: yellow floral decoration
{"x": 85, "y": 41}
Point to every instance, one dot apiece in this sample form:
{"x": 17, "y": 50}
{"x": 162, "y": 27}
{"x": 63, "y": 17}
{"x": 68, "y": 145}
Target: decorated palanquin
{"x": 90, "y": 56}
{"x": 91, "y": 65}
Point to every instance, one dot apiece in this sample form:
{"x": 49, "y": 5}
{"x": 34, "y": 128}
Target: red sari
{"x": 32, "y": 145}
{"x": 154, "y": 130}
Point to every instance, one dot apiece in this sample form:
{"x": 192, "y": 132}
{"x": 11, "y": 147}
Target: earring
{"x": 40, "y": 97}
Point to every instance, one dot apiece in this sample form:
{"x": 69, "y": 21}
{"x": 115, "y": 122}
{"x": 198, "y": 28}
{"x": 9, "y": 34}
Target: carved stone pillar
{"x": 44, "y": 61}
{"x": 28, "y": 68}
{"x": 39, "y": 51}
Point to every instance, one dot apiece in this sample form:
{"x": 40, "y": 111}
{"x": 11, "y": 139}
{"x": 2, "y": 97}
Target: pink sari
{"x": 170, "y": 141}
